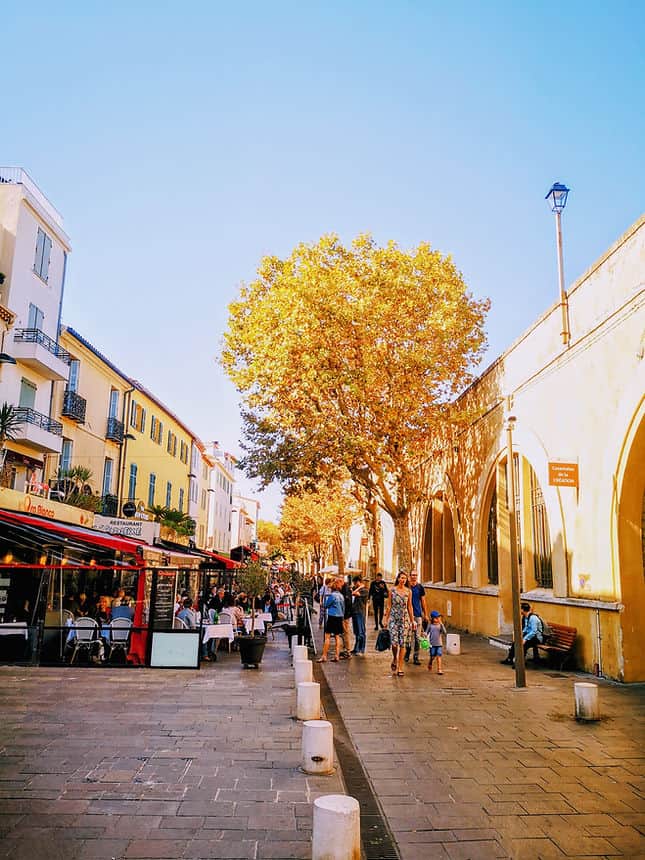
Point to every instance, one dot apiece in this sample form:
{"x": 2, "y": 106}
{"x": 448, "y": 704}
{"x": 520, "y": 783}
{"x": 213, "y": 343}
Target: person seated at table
{"x": 96, "y": 650}
{"x": 103, "y": 610}
{"x": 243, "y": 601}
{"x": 216, "y": 600}
{"x": 124, "y": 610}
{"x": 188, "y": 614}
{"x": 235, "y": 611}
{"x": 84, "y": 605}
{"x": 268, "y": 604}
{"x": 119, "y": 594}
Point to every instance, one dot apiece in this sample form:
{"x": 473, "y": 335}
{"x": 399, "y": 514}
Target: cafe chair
{"x": 85, "y": 635}
{"x": 179, "y": 624}
{"x": 119, "y": 636}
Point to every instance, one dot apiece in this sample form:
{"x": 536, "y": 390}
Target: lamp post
{"x": 557, "y": 198}
{"x": 520, "y": 669}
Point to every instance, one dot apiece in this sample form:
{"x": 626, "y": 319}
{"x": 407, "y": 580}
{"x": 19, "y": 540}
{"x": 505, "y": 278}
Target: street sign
{"x": 563, "y": 474}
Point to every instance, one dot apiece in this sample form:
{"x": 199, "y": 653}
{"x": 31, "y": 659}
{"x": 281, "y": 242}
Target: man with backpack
{"x": 532, "y": 635}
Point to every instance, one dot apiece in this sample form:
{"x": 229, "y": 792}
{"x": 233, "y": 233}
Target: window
{"x": 204, "y": 499}
{"x": 156, "y": 430}
{"x": 113, "y": 409}
{"x": 43, "y": 253}
{"x": 36, "y": 317}
{"x": 27, "y": 394}
{"x": 541, "y": 538}
{"x": 205, "y": 471}
{"x": 491, "y": 542}
{"x": 132, "y": 483}
{"x": 72, "y": 382}
{"x": 201, "y": 535}
{"x": 151, "y": 489}
{"x": 193, "y": 490}
{"x": 181, "y": 500}
{"x": 439, "y": 543}
{"x": 107, "y": 476}
{"x": 137, "y": 416}
{"x": 183, "y": 452}
{"x": 168, "y": 494}
{"x": 171, "y": 447}
{"x": 66, "y": 455}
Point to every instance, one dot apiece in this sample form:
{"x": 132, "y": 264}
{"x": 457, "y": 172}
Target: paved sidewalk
{"x": 466, "y": 766}
{"x": 139, "y": 763}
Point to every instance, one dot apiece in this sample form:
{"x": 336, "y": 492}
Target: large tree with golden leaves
{"x": 348, "y": 358}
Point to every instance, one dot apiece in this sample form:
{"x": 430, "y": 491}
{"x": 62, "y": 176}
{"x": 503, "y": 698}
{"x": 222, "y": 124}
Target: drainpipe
{"x": 598, "y": 666}
{"x": 123, "y": 449}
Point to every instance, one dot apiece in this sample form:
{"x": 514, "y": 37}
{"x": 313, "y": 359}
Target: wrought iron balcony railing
{"x": 74, "y": 406}
{"x": 114, "y": 430}
{"x": 35, "y": 335}
{"x": 109, "y": 506}
{"x": 26, "y": 415}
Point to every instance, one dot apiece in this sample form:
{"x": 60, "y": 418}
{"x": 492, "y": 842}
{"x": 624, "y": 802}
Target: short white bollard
{"x": 303, "y": 671}
{"x": 337, "y": 828}
{"x": 587, "y": 707}
{"x": 317, "y": 747}
{"x": 308, "y": 701}
{"x": 300, "y": 652}
{"x": 453, "y": 643}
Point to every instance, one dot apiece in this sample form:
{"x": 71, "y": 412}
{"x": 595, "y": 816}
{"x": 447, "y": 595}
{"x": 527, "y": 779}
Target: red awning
{"x": 77, "y": 533}
{"x": 228, "y": 562}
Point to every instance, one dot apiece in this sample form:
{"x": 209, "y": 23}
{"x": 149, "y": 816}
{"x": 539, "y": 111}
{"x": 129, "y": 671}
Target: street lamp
{"x": 557, "y": 198}
{"x": 520, "y": 669}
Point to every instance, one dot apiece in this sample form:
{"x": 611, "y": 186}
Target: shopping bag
{"x": 383, "y": 641}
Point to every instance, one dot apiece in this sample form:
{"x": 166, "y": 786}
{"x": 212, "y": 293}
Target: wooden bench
{"x": 559, "y": 648}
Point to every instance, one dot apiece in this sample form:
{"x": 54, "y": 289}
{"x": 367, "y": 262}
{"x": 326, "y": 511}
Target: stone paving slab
{"x": 142, "y": 764}
{"x": 465, "y": 765}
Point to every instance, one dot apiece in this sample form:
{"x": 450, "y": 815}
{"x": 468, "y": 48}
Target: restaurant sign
{"x": 41, "y": 506}
{"x": 563, "y": 474}
{"x": 132, "y": 528}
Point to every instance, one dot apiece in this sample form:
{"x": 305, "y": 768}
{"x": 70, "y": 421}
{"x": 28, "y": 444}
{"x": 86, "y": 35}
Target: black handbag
{"x": 383, "y": 641}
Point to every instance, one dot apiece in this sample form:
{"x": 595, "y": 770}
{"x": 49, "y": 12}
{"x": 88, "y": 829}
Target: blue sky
{"x": 182, "y": 141}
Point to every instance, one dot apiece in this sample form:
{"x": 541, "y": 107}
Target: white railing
{"x": 18, "y": 176}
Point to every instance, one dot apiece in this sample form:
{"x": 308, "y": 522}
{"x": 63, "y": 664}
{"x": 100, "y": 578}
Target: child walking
{"x": 435, "y": 629}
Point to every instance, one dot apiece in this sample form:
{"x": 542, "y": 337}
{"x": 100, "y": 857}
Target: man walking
{"x": 420, "y": 613}
{"x": 378, "y": 595}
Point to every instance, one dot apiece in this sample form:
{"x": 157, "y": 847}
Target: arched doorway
{"x": 438, "y": 564}
{"x": 631, "y": 553}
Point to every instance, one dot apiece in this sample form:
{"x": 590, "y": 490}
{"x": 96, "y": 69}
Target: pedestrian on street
{"x": 435, "y": 629}
{"x": 378, "y": 594}
{"x": 335, "y": 610}
{"x": 399, "y": 620}
{"x": 420, "y": 615}
{"x": 346, "y": 591}
{"x": 359, "y": 601}
{"x": 325, "y": 589}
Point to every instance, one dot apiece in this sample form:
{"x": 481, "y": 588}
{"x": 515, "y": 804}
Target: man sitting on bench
{"x": 531, "y": 635}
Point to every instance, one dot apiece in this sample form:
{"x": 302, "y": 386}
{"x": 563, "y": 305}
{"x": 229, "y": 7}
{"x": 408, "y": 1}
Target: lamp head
{"x": 557, "y": 196}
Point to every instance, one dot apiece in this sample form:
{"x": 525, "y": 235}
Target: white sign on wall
{"x": 132, "y": 528}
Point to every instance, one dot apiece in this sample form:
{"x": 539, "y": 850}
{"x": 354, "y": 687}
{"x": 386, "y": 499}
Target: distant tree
{"x": 9, "y": 423}
{"x": 349, "y": 357}
{"x": 269, "y": 533}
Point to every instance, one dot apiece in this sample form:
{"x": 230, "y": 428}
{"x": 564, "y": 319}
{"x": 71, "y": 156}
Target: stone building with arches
{"x": 579, "y": 465}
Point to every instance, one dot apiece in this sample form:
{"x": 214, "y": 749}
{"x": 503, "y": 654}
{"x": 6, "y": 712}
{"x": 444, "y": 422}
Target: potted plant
{"x": 252, "y": 580}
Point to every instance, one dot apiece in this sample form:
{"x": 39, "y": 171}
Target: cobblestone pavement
{"x": 139, "y": 763}
{"x": 467, "y": 766}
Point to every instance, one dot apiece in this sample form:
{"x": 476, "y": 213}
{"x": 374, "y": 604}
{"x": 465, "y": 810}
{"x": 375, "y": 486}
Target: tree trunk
{"x": 402, "y": 541}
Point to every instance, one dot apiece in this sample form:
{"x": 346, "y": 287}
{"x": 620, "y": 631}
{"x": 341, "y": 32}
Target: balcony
{"x": 109, "y": 506}
{"x": 74, "y": 406}
{"x": 38, "y": 351}
{"x": 38, "y": 431}
{"x": 114, "y": 430}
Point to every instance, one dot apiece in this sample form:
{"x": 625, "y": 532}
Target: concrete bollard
{"x": 453, "y": 643}
{"x": 586, "y": 697}
{"x": 317, "y": 747}
{"x": 303, "y": 671}
{"x": 337, "y": 828}
{"x": 308, "y": 701}
{"x": 300, "y": 652}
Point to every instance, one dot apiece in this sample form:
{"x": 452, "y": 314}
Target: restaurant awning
{"x": 70, "y": 535}
{"x": 228, "y": 563}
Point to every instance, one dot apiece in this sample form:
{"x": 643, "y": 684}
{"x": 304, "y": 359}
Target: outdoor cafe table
{"x": 218, "y": 631}
{"x": 259, "y": 622}
{"x": 14, "y": 628}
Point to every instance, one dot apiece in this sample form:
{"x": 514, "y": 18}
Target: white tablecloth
{"x": 259, "y": 624}
{"x": 14, "y": 628}
{"x": 218, "y": 631}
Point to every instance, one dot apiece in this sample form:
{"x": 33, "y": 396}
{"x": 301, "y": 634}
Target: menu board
{"x": 163, "y": 609}
{"x": 5, "y": 582}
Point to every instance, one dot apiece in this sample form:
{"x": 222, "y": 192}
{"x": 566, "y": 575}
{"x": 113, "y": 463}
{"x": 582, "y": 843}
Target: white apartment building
{"x": 33, "y": 258}
{"x": 201, "y": 465}
{"x": 245, "y": 514}
{"x": 222, "y": 479}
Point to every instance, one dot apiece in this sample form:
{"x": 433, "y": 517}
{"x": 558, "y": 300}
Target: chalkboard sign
{"x": 163, "y": 609}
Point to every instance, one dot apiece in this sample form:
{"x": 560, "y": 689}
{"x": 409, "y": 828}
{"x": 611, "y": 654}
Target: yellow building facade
{"x": 578, "y": 438}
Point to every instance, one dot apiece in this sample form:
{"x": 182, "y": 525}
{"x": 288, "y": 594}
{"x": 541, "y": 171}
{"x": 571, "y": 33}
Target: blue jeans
{"x": 358, "y": 623}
